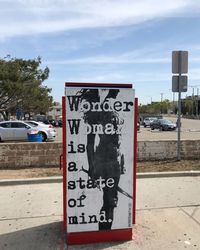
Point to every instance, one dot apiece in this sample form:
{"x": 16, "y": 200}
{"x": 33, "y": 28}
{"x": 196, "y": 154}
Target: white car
{"x": 39, "y": 124}
{"x": 18, "y": 130}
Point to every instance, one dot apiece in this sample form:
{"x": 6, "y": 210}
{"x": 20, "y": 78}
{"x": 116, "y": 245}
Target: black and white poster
{"x": 100, "y": 130}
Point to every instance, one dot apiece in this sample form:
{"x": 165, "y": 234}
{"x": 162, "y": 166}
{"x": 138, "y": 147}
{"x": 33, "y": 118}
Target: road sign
{"x": 179, "y": 62}
{"x": 183, "y": 83}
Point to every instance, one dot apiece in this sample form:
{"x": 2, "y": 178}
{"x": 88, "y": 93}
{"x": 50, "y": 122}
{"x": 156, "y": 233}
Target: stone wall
{"x": 163, "y": 150}
{"x": 156, "y": 150}
{"x": 16, "y": 155}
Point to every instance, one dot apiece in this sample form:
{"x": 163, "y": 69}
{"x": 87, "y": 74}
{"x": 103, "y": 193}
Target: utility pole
{"x": 161, "y": 97}
{"x": 173, "y": 101}
{"x": 195, "y": 99}
{"x": 198, "y": 102}
{"x": 192, "y": 101}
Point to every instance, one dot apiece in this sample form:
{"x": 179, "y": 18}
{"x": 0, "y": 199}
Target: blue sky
{"x": 113, "y": 41}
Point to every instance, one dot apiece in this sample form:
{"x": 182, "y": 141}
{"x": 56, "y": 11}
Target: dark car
{"x": 57, "y": 123}
{"x": 138, "y": 126}
{"x": 54, "y": 123}
{"x": 163, "y": 125}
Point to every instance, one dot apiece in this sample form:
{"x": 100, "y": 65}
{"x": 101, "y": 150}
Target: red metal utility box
{"x": 99, "y": 161}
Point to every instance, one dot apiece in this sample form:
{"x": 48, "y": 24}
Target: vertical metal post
{"x": 179, "y": 110}
{"x": 192, "y": 101}
{"x": 174, "y": 103}
{"x": 198, "y": 102}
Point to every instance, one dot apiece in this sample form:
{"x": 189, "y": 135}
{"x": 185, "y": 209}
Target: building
{"x": 55, "y": 112}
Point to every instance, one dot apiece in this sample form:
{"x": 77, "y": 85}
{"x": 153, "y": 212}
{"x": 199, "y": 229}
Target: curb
{"x": 168, "y": 174}
{"x": 58, "y": 179}
{"x": 28, "y": 181}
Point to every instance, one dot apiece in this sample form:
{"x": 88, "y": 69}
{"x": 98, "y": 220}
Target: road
{"x": 190, "y": 130}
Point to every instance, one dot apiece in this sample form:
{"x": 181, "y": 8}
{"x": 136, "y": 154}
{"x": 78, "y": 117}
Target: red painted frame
{"x": 135, "y": 159}
{"x": 96, "y": 236}
{"x": 64, "y": 140}
{"x": 98, "y": 85}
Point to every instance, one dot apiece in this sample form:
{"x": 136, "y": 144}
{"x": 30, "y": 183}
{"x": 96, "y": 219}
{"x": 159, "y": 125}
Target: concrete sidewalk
{"x": 168, "y": 216}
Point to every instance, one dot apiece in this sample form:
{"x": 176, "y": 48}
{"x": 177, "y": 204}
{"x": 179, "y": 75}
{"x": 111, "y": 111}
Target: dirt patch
{"x": 170, "y": 165}
{"x": 29, "y": 173}
{"x": 152, "y": 166}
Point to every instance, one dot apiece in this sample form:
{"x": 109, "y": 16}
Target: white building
{"x": 55, "y": 112}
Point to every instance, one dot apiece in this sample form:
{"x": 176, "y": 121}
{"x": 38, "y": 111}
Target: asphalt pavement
{"x": 167, "y": 217}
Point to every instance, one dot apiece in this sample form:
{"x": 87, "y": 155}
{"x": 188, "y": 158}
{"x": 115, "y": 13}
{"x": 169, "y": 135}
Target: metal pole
{"x": 192, "y": 101}
{"x": 174, "y": 103}
{"x": 198, "y": 102}
{"x": 161, "y": 99}
{"x": 179, "y": 111}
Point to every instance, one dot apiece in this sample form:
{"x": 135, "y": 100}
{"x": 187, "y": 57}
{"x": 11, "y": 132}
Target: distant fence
{"x": 21, "y": 155}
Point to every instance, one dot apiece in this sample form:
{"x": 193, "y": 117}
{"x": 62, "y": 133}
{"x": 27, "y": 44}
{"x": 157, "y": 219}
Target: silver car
{"x": 18, "y": 130}
{"x": 148, "y": 120}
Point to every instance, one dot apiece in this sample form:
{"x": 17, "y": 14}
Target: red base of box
{"x": 99, "y": 236}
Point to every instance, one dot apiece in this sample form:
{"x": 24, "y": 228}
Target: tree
{"x": 21, "y": 86}
{"x": 187, "y": 107}
{"x": 155, "y": 108}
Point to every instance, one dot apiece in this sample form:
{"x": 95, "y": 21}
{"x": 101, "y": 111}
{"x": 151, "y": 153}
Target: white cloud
{"x": 27, "y": 17}
{"x": 139, "y": 56}
{"x": 158, "y": 53}
{"x": 110, "y": 60}
{"x": 104, "y": 77}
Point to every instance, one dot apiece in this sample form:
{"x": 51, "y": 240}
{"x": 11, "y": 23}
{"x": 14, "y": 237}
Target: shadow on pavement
{"x": 44, "y": 237}
{"x": 47, "y": 237}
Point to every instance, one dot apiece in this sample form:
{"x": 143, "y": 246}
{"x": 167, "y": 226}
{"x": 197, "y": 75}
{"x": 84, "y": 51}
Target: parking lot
{"x": 190, "y": 130}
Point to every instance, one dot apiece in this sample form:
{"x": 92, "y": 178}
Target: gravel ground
{"x": 153, "y": 166}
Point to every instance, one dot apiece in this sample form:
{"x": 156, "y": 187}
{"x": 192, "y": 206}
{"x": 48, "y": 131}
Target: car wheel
{"x": 145, "y": 125}
{"x": 44, "y": 136}
{"x": 152, "y": 128}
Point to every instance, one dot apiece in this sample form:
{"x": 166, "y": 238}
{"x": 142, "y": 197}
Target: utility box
{"x": 99, "y": 162}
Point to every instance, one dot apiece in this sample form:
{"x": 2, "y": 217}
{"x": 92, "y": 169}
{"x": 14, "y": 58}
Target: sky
{"x": 105, "y": 41}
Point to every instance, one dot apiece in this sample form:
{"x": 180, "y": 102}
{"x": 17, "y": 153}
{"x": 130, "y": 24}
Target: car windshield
{"x": 166, "y": 122}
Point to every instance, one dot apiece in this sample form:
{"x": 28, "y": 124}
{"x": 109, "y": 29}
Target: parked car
{"x": 18, "y": 130}
{"x": 163, "y": 125}
{"x": 39, "y": 124}
{"x": 148, "y": 120}
{"x": 42, "y": 127}
{"x": 138, "y": 126}
{"x": 54, "y": 123}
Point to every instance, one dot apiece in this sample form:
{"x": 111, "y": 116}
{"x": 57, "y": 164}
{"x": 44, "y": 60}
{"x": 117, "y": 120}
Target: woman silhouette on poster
{"x": 103, "y": 150}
